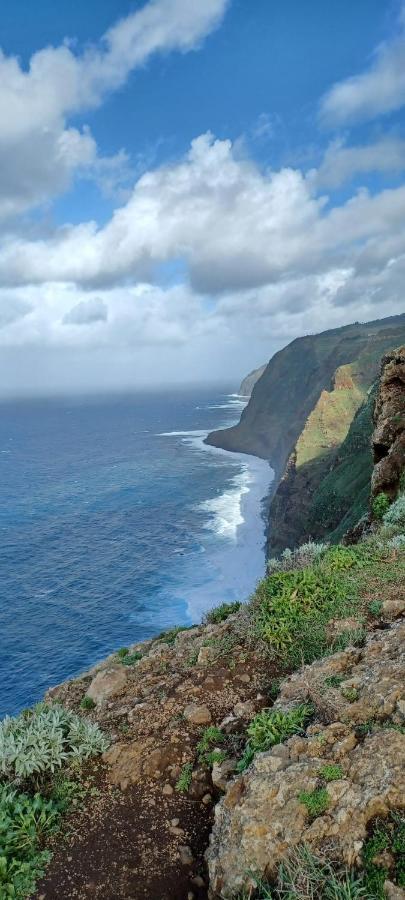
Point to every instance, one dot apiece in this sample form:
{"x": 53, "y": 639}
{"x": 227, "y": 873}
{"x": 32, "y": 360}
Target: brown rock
{"x": 244, "y": 709}
{"x": 393, "y": 609}
{"x": 389, "y": 433}
{"x": 186, "y": 856}
{"x": 205, "y": 656}
{"x": 107, "y": 683}
{"x": 260, "y": 819}
{"x": 197, "y": 715}
{"x": 222, "y": 772}
{"x": 393, "y": 892}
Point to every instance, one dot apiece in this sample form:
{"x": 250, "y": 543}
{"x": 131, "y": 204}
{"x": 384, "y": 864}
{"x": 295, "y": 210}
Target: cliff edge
{"x": 302, "y": 411}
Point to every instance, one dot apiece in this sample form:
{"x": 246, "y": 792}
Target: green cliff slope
{"x": 300, "y": 417}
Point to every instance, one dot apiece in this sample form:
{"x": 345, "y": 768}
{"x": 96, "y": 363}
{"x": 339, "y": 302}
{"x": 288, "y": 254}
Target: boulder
{"x": 222, "y": 772}
{"x": 197, "y": 715}
{"x": 261, "y": 819}
{"x": 107, "y": 683}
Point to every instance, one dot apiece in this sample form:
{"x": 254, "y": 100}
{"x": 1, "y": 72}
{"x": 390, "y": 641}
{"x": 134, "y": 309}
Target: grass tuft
{"x": 316, "y": 802}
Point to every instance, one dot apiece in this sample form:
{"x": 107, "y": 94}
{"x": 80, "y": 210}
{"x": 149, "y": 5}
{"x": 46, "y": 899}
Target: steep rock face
{"x": 389, "y": 421}
{"x": 290, "y": 387}
{"x": 327, "y": 495}
{"x": 310, "y": 415}
{"x": 262, "y": 818}
{"x": 249, "y": 382}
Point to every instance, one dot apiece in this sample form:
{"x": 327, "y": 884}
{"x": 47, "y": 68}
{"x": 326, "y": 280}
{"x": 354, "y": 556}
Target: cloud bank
{"x": 212, "y": 261}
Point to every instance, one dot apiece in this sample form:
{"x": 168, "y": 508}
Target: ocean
{"x": 117, "y": 522}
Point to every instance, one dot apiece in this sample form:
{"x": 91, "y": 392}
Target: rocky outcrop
{"x": 292, "y": 382}
{"x": 299, "y": 416}
{"x": 249, "y": 382}
{"x": 389, "y": 421}
{"x": 262, "y": 816}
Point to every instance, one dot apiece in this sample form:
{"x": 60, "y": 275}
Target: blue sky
{"x": 111, "y": 258}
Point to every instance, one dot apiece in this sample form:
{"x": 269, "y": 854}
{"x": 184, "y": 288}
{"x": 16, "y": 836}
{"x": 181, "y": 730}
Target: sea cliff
{"x": 248, "y": 756}
{"x": 310, "y": 414}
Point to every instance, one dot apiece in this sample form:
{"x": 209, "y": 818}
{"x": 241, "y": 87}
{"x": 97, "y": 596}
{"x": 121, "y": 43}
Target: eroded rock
{"x": 107, "y": 683}
{"x": 260, "y": 818}
{"x": 197, "y": 715}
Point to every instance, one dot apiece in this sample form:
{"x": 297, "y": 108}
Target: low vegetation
{"x": 34, "y": 747}
{"x": 306, "y": 876}
{"x": 169, "y": 636}
{"x": 270, "y": 727}
{"x": 316, "y": 802}
{"x": 331, "y": 773}
{"x": 384, "y": 855}
{"x": 184, "y": 780}
{"x": 210, "y": 738}
{"x": 130, "y": 659}
{"x": 221, "y": 613}
{"x": 380, "y": 505}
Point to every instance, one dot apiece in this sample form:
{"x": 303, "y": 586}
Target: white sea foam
{"x": 182, "y": 433}
{"x": 226, "y": 509}
{"x": 238, "y": 561}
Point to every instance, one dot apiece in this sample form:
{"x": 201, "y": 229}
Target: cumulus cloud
{"x": 39, "y": 152}
{"x": 342, "y": 163}
{"x": 234, "y": 226}
{"x": 378, "y": 90}
{"x": 12, "y": 309}
{"x": 86, "y": 312}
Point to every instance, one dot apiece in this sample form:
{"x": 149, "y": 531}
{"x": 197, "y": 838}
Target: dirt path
{"x": 122, "y": 847}
{"x": 139, "y": 837}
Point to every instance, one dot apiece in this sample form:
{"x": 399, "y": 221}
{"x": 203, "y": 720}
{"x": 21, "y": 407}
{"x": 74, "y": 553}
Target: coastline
{"x": 238, "y": 523}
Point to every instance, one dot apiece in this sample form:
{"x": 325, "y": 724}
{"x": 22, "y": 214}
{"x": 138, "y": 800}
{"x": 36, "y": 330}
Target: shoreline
{"x": 239, "y": 519}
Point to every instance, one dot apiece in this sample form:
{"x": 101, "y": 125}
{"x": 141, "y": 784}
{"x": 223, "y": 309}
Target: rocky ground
{"x": 140, "y": 836}
{"x": 359, "y": 699}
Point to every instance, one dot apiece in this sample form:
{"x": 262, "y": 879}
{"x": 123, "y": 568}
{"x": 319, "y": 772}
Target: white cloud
{"x": 233, "y": 225}
{"x": 12, "y": 309}
{"x": 86, "y": 312}
{"x": 342, "y": 163}
{"x": 39, "y": 153}
{"x": 378, "y": 90}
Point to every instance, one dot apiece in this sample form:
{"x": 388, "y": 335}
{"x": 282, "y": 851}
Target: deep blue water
{"x": 116, "y": 522}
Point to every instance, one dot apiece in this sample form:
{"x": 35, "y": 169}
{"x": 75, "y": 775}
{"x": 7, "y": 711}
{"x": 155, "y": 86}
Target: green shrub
{"x": 131, "y": 658}
{"x": 350, "y": 693}
{"x": 331, "y": 772}
{"x": 169, "y": 636}
{"x": 290, "y": 610}
{"x": 220, "y": 613}
{"x": 87, "y": 703}
{"x": 339, "y": 558}
{"x": 380, "y": 505}
{"x": 333, "y": 681}
{"x": 270, "y": 727}
{"x": 123, "y": 651}
{"x": 386, "y": 834}
{"x": 184, "y": 780}
{"x": 300, "y": 558}
{"x": 24, "y": 822}
{"x": 375, "y": 608}
{"x": 210, "y": 737}
{"x": 316, "y": 802}
{"x": 396, "y": 512}
{"x": 304, "y": 876}
{"x": 44, "y": 739}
